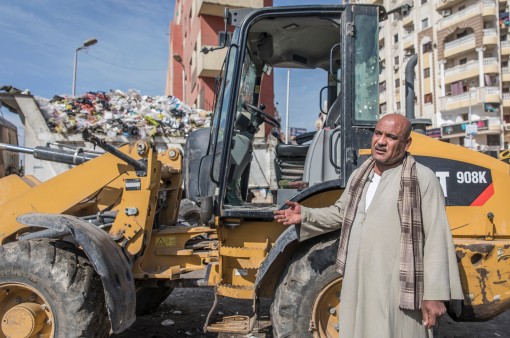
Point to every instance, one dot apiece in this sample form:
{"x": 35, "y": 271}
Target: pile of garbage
{"x": 117, "y": 113}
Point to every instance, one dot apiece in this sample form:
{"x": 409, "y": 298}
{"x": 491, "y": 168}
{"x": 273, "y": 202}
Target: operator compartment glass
{"x": 293, "y": 85}
{"x": 282, "y": 72}
{"x": 366, "y": 74}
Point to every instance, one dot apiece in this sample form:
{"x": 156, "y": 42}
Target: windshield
{"x": 366, "y": 106}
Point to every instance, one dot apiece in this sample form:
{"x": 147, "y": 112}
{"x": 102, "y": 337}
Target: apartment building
{"x": 199, "y": 24}
{"x": 462, "y": 75}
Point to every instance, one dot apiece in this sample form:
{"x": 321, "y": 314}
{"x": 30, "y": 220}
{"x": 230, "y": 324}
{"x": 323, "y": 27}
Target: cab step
{"x": 233, "y": 324}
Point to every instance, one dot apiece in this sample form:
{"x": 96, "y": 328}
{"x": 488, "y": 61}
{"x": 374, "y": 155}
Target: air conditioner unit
{"x": 446, "y": 12}
{"x": 506, "y": 127}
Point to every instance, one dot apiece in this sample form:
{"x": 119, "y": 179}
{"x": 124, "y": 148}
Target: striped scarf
{"x": 411, "y": 235}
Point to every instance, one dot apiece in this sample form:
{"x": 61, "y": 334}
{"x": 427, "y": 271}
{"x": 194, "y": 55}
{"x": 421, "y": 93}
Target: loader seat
{"x": 290, "y": 159}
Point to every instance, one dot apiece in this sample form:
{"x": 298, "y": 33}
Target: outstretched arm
{"x": 291, "y": 215}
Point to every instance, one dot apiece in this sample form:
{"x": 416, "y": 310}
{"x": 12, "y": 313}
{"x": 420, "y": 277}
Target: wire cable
{"x": 126, "y": 67}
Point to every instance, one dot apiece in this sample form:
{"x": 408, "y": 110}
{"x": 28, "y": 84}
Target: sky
{"x": 39, "y": 39}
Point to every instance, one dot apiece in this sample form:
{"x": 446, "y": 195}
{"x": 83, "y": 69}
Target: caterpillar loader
{"x": 85, "y": 251}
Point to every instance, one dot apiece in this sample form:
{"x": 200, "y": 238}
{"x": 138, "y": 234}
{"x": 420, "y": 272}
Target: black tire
{"x": 59, "y": 280}
{"x": 149, "y": 298}
{"x": 190, "y": 212}
{"x": 301, "y": 305}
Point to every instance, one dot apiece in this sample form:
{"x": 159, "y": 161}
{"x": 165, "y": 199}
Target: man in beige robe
{"x": 370, "y": 291}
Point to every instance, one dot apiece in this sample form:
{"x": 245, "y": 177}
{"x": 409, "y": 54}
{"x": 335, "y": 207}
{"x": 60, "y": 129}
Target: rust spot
{"x": 500, "y": 282}
{"x": 499, "y": 274}
{"x": 482, "y": 279}
{"x": 480, "y": 248}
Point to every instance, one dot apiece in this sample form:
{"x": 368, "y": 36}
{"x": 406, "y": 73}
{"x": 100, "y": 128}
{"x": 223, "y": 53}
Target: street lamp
{"x": 470, "y": 129}
{"x": 178, "y": 58}
{"x": 86, "y": 44}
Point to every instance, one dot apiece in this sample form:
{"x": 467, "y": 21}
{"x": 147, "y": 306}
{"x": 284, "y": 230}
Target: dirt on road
{"x": 184, "y": 313}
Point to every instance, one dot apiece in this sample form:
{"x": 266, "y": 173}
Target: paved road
{"x": 186, "y": 310}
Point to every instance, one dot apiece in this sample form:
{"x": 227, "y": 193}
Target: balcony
{"x": 209, "y": 65}
{"x": 407, "y": 21}
{"x": 471, "y": 69}
{"x": 505, "y": 47}
{"x": 487, "y": 7}
{"x": 464, "y": 100}
{"x": 491, "y": 65}
{"x": 217, "y": 7}
{"x": 460, "y": 72}
{"x": 408, "y": 40}
{"x": 506, "y": 101}
{"x": 486, "y": 125}
{"x": 490, "y": 36}
{"x": 505, "y": 72}
{"x": 459, "y": 45}
{"x": 444, "y": 4}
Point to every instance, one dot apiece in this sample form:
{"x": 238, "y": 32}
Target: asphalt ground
{"x": 184, "y": 312}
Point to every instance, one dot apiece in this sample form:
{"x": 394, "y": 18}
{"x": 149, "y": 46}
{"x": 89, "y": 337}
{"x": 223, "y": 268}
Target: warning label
{"x": 166, "y": 241}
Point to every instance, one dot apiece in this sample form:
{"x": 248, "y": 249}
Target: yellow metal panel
{"x": 485, "y": 276}
{"x": 471, "y": 221}
{"x": 167, "y": 248}
{"x": 240, "y": 292}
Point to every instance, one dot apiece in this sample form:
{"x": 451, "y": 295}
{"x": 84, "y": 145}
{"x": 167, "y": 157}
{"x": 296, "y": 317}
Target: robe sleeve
{"x": 316, "y": 221}
{"x": 441, "y": 272}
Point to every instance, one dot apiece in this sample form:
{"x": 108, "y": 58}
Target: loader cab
{"x": 339, "y": 42}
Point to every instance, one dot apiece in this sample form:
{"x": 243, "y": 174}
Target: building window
{"x": 426, "y": 73}
{"x": 221, "y": 38}
{"x": 427, "y": 47}
{"x": 397, "y": 83}
{"x": 398, "y": 105}
{"x": 427, "y": 98}
{"x": 493, "y": 140}
{"x": 461, "y": 8}
{"x": 382, "y": 86}
{"x": 424, "y": 23}
{"x": 423, "y": 2}
{"x": 463, "y": 61}
{"x": 395, "y": 38}
{"x": 382, "y": 108}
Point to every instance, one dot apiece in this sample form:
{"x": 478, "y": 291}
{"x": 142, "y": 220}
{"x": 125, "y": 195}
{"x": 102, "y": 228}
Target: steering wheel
{"x": 254, "y": 111}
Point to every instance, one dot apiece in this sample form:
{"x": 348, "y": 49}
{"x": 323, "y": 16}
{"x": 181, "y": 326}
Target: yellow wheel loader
{"x": 83, "y": 252}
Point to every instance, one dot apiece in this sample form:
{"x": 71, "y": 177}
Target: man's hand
{"x": 432, "y": 310}
{"x": 291, "y": 215}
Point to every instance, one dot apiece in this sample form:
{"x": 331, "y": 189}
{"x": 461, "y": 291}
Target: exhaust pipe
{"x": 419, "y": 125}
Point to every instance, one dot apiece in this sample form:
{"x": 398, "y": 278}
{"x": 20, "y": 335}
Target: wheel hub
{"x": 23, "y": 320}
{"x": 24, "y": 312}
{"x": 325, "y": 310}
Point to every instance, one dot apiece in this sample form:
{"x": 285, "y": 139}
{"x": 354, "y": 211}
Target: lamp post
{"x": 86, "y": 44}
{"x": 470, "y": 130}
{"x": 178, "y": 58}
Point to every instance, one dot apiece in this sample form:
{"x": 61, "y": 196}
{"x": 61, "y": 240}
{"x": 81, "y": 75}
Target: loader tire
{"x": 49, "y": 289}
{"x": 149, "y": 298}
{"x": 189, "y": 211}
{"x": 308, "y": 294}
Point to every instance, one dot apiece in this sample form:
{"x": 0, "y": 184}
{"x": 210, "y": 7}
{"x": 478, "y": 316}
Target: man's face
{"x": 389, "y": 142}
